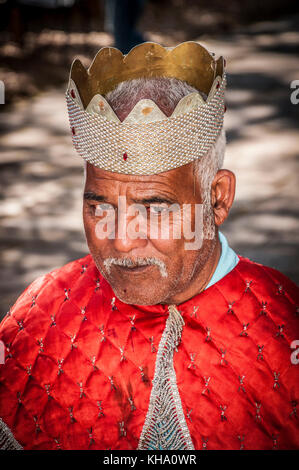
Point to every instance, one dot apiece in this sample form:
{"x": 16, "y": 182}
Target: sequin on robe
{"x": 85, "y": 371}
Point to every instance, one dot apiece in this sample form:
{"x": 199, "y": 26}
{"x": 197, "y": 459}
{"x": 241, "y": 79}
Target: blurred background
{"x": 40, "y": 173}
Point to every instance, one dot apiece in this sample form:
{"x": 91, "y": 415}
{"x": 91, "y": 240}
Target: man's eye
{"x": 160, "y": 209}
{"x": 100, "y": 209}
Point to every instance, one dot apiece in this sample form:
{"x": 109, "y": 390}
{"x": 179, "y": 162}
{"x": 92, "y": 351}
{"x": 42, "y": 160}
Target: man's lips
{"x": 133, "y": 269}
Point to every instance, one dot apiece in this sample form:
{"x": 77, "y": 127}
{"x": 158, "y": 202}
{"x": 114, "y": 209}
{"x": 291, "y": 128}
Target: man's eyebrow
{"x": 143, "y": 200}
{"x": 94, "y": 197}
{"x": 154, "y": 199}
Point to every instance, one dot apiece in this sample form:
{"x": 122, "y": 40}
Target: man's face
{"x": 171, "y": 266}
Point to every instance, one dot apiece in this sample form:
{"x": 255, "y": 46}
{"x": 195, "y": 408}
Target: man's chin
{"x": 138, "y": 288}
{"x": 137, "y": 296}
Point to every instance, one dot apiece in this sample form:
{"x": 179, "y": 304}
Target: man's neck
{"x": 201, "y": 280}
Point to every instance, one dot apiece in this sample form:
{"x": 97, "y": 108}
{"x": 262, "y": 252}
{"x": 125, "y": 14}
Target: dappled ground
{"x": 41, "y": 175}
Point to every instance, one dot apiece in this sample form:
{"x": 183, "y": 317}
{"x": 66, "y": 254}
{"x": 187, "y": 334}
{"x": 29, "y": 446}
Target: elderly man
{"x": 162, "y": 337}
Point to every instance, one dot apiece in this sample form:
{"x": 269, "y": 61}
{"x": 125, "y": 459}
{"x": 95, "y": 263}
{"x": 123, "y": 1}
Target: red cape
{"x": 78, "y": 371}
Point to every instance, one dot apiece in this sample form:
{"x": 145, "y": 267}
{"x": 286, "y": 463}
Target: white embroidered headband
{"x": 147, "y": 141}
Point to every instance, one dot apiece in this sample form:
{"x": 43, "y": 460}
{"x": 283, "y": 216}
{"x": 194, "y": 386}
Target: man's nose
{"x": 126, "y": 238}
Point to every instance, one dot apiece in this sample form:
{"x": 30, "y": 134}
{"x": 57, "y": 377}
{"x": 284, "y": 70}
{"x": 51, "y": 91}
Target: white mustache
{"x": 129, "y": 263}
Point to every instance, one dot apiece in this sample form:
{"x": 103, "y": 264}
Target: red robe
{"x": 80, "y": 365}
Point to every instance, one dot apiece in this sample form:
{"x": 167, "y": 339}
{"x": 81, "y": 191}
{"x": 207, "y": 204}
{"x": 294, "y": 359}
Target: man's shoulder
{"x": 38, "y": 331}
{"x": 65, "y": 274}
{"x": 47, "y": 292}
{"x": 266, "y": 275}
{"x": 267, "y": 285}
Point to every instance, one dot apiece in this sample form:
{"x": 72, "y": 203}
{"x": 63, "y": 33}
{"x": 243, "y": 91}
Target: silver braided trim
{"x": 152, "y": 147}
{"x": 7, "y": 440}
{"x": 165, "y": 426}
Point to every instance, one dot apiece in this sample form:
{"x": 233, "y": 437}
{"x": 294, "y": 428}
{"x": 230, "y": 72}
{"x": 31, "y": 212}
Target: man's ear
{"x": 222, "y": 194}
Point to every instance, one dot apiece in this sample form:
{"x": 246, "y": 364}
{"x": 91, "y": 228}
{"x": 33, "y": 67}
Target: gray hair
{"x": 165, "y": 92}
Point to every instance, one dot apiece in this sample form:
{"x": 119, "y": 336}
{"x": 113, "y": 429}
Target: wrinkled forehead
{"x": 178, "y": 181}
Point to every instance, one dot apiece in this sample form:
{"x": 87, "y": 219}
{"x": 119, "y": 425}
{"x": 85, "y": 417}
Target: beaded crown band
{"x": 147, "y": 141}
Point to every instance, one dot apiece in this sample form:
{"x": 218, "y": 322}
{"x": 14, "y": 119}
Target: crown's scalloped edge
{"x": 188, "y": 61}
{"x": 113, "y": 51}
{"x": 145, "y": 110}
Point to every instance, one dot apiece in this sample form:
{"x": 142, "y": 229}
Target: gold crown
{"x": 189, "y": 62}
{"x": 147, "y": 141}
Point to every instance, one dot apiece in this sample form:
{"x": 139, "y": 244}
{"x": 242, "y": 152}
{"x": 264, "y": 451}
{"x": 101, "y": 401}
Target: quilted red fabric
{"x": 80, "y": 364}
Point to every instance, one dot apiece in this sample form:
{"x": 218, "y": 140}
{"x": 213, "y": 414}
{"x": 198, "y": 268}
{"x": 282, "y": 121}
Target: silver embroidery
{"x": 83, "y": 309}
{"x": 133, "y": 407}
{"x": 244, "y": 331}
{"x": 204, "y": 443}
{"x": 208, "y": 337}
{"x": 195, "y": 309}
{"x": 275, "y": 439}
{"x": 276, "y": 377}
{"x": 122, "y": 354}
{"x": 98, "y": 284}
{"x": 257, "y": 411}
{"x": 260, "y": 354}
{"x": 84, "y": 267}
{"x": 241, "y": 380}
{"x": 153, "y": 349}
{"x": 192, "y": 364}
{"x": 230, "y": 307}
{"x": 165, "y": 426}
{"x": 280, "y": 330}
{"x": 122, "y": 429}
{"x": 99, "y": 404}
{"x": 67, "y": 293}
{"x": 41, "y": 345}
{"x": 206, "y": 388}
{"x": 248, "y": 284}
{"x": 294, "y": 409}
{"x": 7, "y": 440}
{"x": 222, "y": 416}
{"x": 241, "y": 439}
{"x": 263, "y": 308}
{"x": 132, "y": 320}
{"x": 189, "y": 414}
{"x": 91, "y": 439}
